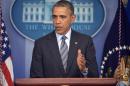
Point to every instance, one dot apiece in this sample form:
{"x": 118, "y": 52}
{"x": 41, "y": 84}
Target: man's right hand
{"x": 81, "y": 61}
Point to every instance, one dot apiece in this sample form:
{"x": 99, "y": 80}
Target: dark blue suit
{"x": 46, "y": 59}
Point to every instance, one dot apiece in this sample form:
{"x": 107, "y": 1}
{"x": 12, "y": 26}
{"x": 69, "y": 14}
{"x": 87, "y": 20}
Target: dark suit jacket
{"x": 46, "y": 59}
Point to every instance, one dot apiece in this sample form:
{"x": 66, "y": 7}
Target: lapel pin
{"x": 75, "y": 43}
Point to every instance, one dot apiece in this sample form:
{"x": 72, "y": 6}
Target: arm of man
{"x": 88, "y": 62}
{"x": 82, "y": 63}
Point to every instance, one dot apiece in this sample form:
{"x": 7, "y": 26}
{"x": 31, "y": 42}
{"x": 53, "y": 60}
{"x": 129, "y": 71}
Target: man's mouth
{"x": 59, "y": 27}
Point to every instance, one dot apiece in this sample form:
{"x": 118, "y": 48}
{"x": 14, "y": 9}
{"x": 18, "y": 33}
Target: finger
{"x": 80, "y": 56}
{"x": 79, "y": 53}
{"x": 82, "y": 64}
{"x": 82, "y": 59}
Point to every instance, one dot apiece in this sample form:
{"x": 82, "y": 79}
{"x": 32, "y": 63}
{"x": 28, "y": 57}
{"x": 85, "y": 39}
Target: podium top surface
{"x": 66, "y": 81}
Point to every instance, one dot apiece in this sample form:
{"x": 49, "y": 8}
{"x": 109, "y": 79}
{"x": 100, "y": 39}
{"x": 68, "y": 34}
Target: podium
{"x": 66, "y": 82}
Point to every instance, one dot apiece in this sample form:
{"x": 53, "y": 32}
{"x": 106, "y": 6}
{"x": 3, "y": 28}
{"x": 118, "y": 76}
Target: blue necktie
{"x": 64, "y": 52}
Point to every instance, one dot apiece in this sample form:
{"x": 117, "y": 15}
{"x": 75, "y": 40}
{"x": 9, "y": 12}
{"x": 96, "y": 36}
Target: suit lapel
{"x": 72, "y": 50}
{"x": 52, "y": 43}
{"x": 55, "y": 51}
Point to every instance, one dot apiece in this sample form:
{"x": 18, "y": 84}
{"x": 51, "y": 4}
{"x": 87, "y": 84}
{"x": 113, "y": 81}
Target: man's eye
{"x": 63, "y": 16}
{"x": 53, "y": 16}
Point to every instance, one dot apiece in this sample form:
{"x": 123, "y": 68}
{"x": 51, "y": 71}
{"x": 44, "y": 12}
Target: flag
{"x": 127, "y": 9}
{"x": 117, "y": 43}
{"x": 6, "y": 66}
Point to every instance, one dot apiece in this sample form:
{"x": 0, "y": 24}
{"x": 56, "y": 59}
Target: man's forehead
{"x": 61, "y": 9}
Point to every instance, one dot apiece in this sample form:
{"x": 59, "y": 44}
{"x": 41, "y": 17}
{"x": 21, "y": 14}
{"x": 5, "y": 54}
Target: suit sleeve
{"x": 36, "y": 70}
{"x": 91, "y": 59}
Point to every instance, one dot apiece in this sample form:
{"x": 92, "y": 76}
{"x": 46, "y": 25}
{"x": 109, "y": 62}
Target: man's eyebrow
{"x": 59, "y": 15}
{"x": 63, "y": 16}
{"x": 54, "y": 15}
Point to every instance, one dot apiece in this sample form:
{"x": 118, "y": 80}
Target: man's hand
{"x": 81, "y": 61}
{"x": 120, "y": 70}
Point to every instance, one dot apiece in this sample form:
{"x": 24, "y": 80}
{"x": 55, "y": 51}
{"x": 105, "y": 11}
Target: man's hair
{"x": 64, "y": 3}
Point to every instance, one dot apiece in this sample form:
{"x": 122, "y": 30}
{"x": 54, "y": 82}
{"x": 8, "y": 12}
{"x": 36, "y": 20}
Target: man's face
{"x": 62, "y": 19}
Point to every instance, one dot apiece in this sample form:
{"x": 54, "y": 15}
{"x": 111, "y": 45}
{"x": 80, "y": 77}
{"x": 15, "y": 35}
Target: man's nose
{"x": 58, "y": 20}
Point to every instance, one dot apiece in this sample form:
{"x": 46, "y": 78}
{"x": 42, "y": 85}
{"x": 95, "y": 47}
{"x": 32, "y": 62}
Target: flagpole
{"x": 119, "y": 29}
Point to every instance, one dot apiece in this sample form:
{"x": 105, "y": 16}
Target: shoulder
{"x": 81, "y": 36}
{"x": 43, "y": 39}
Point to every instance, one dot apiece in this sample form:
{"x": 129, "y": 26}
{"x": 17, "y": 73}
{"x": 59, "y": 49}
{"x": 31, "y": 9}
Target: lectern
{"x": 66, "y": 82}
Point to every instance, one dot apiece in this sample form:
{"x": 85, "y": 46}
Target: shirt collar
{"x": 68, "y": 34}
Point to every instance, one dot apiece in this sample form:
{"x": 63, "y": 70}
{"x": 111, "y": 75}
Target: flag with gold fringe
{"x": 117, "y": 43}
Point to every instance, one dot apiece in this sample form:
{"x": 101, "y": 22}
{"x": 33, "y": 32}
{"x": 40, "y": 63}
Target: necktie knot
{"x": 64, "y": 37}
{"x": 63, "y": 43}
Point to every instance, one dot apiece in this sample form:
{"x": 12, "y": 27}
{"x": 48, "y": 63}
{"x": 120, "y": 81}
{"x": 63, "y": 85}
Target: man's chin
{"x": 60, "y": 32}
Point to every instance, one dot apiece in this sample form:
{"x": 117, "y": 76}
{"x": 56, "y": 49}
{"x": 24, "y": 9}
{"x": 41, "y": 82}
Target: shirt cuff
{"x": 85, "y": 72}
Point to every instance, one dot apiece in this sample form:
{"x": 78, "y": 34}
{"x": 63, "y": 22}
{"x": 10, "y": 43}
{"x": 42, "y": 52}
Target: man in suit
{"x": 79, "y": 52}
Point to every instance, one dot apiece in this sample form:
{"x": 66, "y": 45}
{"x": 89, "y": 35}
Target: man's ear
{"x": 73, "y": 17}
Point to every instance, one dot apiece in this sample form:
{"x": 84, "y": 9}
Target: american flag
{"x": 6, "y": 66}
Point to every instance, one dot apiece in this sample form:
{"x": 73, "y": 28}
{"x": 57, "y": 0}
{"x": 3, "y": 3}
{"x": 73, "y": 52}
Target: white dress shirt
{"x": 59, "y": 38}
